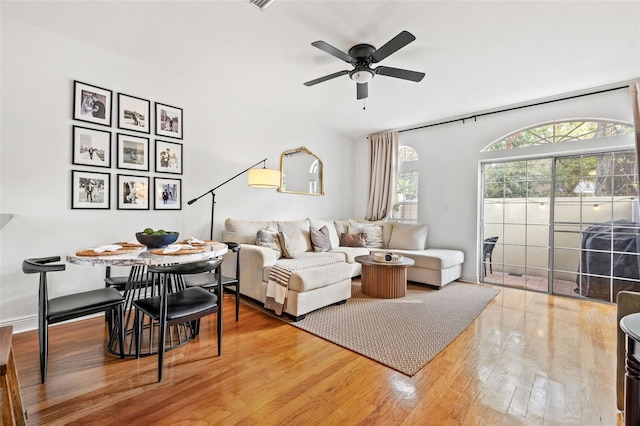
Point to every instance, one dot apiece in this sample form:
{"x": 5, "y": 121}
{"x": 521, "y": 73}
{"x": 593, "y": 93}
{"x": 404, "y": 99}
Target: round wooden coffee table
{"x": 384, "y": 280}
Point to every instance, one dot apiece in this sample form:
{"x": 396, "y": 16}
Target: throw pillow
{"x": 297, "y": 231}
{"x": 408, "y": 237}
{"x": 342, "y": 226}
{"x": 352, "y": 240}
{"x": 372, "y": 233}
{"x": 268, "y": 238}
{"x": 320, "y": 239}
{"x": 387, "y": 227}
{"x": 288, "y": 248}
{"x": 333, "y": 235}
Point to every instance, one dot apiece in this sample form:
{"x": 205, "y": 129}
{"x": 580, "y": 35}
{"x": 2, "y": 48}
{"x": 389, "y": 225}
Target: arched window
{"x": 405, "y": 208}
{"x": 560, "y": 131}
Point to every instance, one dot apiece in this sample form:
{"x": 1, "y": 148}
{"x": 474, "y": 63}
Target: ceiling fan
{"x": 361, "y": 56}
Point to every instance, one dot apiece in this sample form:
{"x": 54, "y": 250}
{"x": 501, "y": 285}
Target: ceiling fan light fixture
{"x": 361, "y": 76}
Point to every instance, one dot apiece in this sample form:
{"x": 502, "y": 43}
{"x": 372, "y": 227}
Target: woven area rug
{"x": 405, "y": 333}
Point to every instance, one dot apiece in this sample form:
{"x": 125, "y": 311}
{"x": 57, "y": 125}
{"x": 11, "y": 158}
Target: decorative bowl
{"x": 157, "y": 241}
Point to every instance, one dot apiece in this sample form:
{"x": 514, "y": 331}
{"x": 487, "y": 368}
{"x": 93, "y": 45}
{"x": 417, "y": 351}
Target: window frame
{"x": 629, "y": 129}
{"x": 408, "y": 208}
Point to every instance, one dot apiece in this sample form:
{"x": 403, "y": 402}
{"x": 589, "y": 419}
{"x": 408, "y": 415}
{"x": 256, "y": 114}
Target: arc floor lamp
{"x": 257, "y": 178}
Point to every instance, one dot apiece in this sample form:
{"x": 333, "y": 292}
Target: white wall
{"x": 222, "y": 137}
{"x": 449, "y": 163}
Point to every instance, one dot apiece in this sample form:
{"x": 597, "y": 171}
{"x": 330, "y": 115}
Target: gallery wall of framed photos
{"x": 127, "y": 145}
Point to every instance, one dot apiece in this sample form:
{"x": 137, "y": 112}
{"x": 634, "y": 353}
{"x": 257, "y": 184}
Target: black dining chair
{"x": 177, "y": 304}
{"x": 487, "y": 250}
{"x": 118, "y": 282}
{"x": 76, "y": 305}
{"x": 137, "y": 274}
{"x": 209, "y": 281}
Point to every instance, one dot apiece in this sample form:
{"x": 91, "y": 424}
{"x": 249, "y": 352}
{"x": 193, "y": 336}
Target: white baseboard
{"x": 20, "y": 325}
{"x": 469, "y": 279}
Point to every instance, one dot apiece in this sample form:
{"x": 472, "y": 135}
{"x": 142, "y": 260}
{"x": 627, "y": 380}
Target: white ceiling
{"x": 477, "y": 55}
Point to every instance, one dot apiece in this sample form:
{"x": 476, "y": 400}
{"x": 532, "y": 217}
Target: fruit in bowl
{"x": 156, "y": 239}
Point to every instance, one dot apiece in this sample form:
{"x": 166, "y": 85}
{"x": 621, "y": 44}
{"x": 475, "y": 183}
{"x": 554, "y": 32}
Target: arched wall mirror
{"x": 301, "y": 172}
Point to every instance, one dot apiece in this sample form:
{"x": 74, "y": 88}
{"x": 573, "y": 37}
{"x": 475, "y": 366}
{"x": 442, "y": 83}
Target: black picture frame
{"x": 169, "y": 121}
{"x": 90, "y": 190}
{"x": 91, "y": 147}
{"x": 133, "y": 192}
{"x": 134, "y": 113}
{"x": 92, "y": 104}
{"x": 167, "y": 193}
{"x": 168, "y": 157}
{"x": 132, "y": 152}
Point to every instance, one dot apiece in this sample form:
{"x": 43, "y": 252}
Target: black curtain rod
{"x": 475, "y": 116}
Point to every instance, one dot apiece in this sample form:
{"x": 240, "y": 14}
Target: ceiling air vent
{"x": 260, "y": 4}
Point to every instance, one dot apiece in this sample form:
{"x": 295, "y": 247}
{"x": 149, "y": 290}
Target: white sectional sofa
{"x": 265, "y": 242}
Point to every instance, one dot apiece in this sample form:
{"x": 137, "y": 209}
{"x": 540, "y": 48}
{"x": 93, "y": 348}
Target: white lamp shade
{"x": 361, "y": 76}
{"x": 264, "y": 178}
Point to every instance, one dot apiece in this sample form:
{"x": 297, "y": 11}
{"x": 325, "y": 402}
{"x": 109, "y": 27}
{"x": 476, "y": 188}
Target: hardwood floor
{"x": 528, "y": 359}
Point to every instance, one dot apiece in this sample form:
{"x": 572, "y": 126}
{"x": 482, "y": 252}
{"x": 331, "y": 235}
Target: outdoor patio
{"x": 531, "y": 282}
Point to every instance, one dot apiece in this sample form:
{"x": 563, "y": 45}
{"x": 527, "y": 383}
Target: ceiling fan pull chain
{"x": 364, "y": 104}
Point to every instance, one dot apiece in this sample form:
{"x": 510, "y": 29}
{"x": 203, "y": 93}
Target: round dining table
{"x": 140, "y": 285}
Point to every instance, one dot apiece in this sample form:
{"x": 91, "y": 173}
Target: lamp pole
{"x": 213, "y": 195}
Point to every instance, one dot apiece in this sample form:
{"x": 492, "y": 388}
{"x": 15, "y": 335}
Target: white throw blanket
{"x": 278, "y": 285}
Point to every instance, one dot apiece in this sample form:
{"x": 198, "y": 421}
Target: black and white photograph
{"x": 91, "y": 104}
{"x": 133, "y": 152}
{"x": 168, "y": 121}
{"x": 168, "y": 157}
{"x": 90, "y": 190}
{"x": 133, "y": 113}
{"x": 168, "y": 194}
{"x": 133, "y": 192}
{"x": 91, "y": 147}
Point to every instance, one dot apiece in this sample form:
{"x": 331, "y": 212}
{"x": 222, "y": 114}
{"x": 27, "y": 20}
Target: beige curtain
{"x": 383, "y": 175}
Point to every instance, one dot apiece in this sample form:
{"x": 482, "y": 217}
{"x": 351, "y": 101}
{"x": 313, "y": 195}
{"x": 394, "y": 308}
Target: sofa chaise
{"x": 305, "y": 242}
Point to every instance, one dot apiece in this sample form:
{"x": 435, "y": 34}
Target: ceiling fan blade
{"x": 400, "y": 73}
{"x": 393, "y": 45}
{"x": 326, "y": 77}
{"x": 362, "y": 90}
{"x": 326, "y": 47}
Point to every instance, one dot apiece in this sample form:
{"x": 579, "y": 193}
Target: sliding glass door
{"x": 565, "y": 225}
{"x": 516, "y": 223}
{"x": 596, "y": 229}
